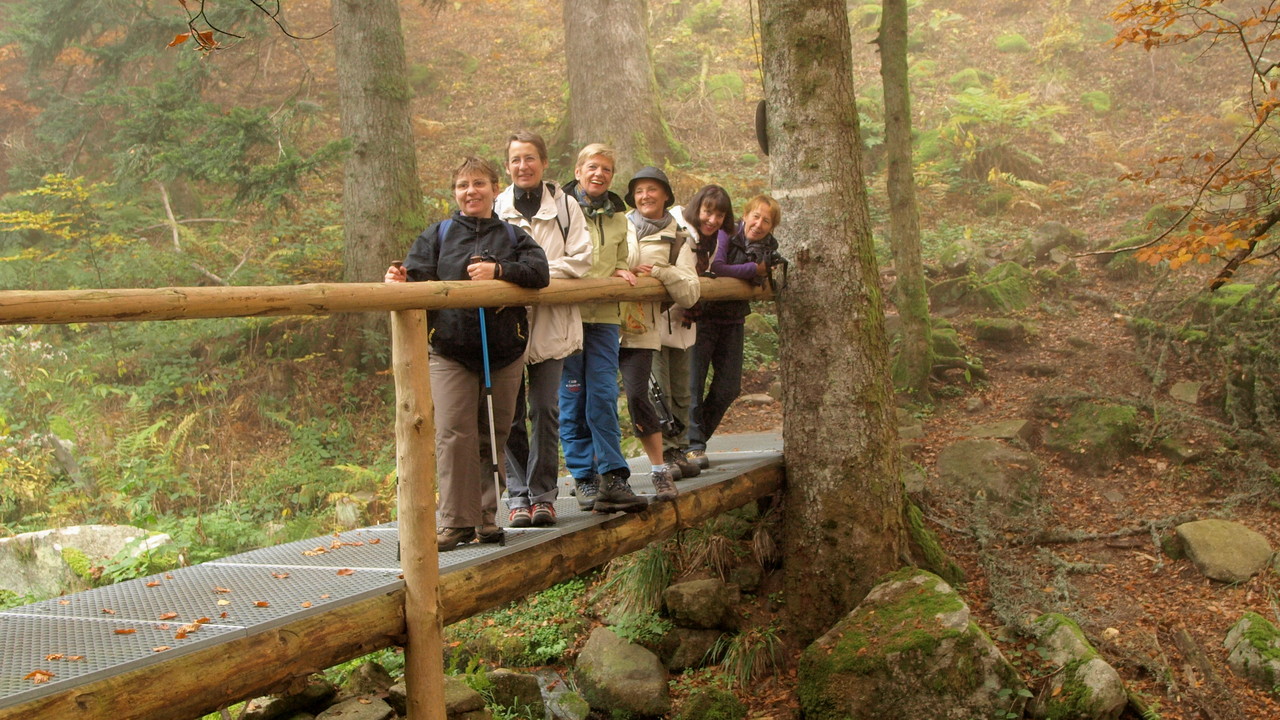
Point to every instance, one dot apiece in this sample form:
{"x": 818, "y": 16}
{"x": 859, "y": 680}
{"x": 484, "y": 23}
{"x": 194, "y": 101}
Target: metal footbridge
{"x": 187, "y": 642}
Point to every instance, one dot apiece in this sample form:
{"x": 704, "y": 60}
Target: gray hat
{"x": 649, "y": 173}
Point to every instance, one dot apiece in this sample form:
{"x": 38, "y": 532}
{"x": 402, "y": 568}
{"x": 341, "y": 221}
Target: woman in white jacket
{"x": 657, "y": 246}
{"x": 556, "y": 223}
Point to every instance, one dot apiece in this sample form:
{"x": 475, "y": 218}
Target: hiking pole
{"x": 493, "y": 432}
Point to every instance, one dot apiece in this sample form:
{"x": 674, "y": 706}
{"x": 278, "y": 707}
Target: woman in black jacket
{"x": 473, "y": 244}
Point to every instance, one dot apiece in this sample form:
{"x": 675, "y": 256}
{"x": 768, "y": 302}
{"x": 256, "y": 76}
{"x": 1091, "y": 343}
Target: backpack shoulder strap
{"x": 562, "y": 210}
{"x": 443, "y": 229}
{"x": 511, "y": 233}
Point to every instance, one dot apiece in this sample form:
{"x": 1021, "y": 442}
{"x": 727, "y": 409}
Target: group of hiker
{"x": 512, "y": 385}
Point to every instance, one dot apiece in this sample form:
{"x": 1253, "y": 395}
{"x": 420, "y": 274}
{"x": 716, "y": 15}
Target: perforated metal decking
{"x": 77, "y": 639}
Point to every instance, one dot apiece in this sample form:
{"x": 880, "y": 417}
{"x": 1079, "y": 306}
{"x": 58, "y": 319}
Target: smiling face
{"x": 710, "y": 219}
{"x": 757, "y": 224}
{"x": 651, "y": 198}
{"x": 595, "y": 175}
{"x": 525, "y": 164}
{"x": 474, "y": 193}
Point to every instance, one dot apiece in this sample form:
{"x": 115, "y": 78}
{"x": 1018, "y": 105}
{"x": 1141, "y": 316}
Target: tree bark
{"x": 613, "y": 95}
{"x": 844, "y": 510}
{"x": 915, "y": 352}
{"x": 381, "y": 199}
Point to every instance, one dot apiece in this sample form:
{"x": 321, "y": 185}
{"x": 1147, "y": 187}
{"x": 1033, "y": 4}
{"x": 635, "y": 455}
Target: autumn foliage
{"x": 1232, "y": 190}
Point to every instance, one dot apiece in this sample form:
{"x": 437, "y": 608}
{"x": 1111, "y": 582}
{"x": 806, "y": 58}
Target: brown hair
{"x": 715, "y": 196}
{"x": 472, "y": 165}
{"x": 593, "y": 150}
{"x": 774, "y": 208}
{"x": 531, "y": 137}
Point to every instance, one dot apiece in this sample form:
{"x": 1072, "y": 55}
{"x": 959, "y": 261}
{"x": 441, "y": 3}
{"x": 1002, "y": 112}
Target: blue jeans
{"x": 719, "y": 347}
{"x": 589, "y": 428}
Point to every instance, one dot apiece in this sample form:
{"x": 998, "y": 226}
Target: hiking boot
{"x": 699, "y": 458}
{"x": 544, "y": 514}
{"x": 520, "y": 517}
{"x": 490, "y": 534}
{"x": 586, "y": 492}
{"x": 665, "y": 486}
{"x": 450, "y": 538}
{"x": 671, "y": 467}
{"x": 616, "y": 495}
{"x": 673, "y": 456}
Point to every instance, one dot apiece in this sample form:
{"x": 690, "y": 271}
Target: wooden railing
{"x": 415, "y": 428}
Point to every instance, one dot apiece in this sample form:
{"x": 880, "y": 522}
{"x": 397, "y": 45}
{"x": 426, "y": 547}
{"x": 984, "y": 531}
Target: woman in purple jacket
{"x": 721, "y": 323}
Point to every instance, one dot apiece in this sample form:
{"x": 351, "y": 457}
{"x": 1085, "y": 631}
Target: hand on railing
{"x": 396, "y": 273}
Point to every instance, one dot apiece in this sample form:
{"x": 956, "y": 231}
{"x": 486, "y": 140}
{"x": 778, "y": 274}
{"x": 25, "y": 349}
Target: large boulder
{"x": 990, "y": 469}
{"x": 684, "y": 648}
{"x": 359, "y": 708}
{"x": 1054, "y": 235}
{"x": 615, "y": 675}
{"x": 1087, "y": 687}
{"x": 316, "y": 691}
{"x": 46, "y": 563}
{"x": 1095, "y": 436}
{"x": 1253, "y": 647}
{"x": 711, "y": 703}
{"x": 1224, "y": 550}
{"x": 909, "y": 650}
{"x": 520, "y": 692}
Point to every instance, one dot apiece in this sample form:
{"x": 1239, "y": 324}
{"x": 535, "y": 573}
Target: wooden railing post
{"x": 416, "y": 469}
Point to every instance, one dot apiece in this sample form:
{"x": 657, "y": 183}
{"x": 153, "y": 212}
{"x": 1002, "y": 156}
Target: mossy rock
{"x": 999, "y": 330}
{"x": 1097, "y": 101}
{"x": 712, "y": 704}
{"x": 1006, "y": 287}
{"x": 79, "y": 563}
{"x": 1125, "y": 265}
{"x": 1086, "y": 688}
{"x": 969, "y": 78}
{"x": 1095, "y": 436}
{"x": 1253, "y": 644}
{"x": 946, "y": 343}
{"x": 909, "y": 649}
{"x": 1012, "y": 43}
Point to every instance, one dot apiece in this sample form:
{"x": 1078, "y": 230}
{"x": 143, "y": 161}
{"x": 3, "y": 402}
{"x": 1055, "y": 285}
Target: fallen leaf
{"x": 222, "y": 615}
{"x": 154, "y": 583}
{"x": 346, "y": 571}
{"x": 163, "y": 626}
{"x": 279, "y": 576}
{"x": 73, "y": 658}
{"x": 202, "y": 621}
{"x": 179, "y": 636}
{"x": 324, "y": 596}
{"x": 126, "y": 631}
{"x": 168, "y": 616}
{"x": 108, "y": 611}
{"x": 160, "y": 648}
{"x": 221, "y": 590}
{"x": 179, "y": 39}
{"x": 54, "y": 656}
{"x": 64, "y": 602}
{"x": 224, "y": 602}
{"x": 375, "y": 541}
{"x": 306, "y": 603}
{"x": 262, "y": 603}
{"x": 39, "y": 677}
{"x": 189, "y": 628}
{"x": 364, "y": 701}
{"x": 167, "y": 576}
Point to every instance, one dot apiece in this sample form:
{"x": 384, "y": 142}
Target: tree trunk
{"x": 844, "y": 509}
{"x": 613, "y": 95}
{"x": 381, "y": 200}
{"x": 915, "y": 353}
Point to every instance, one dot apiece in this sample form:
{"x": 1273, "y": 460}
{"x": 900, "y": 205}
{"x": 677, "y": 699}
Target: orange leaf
{"x": 167, "y": 576}
{"x": 179, "y": 636}
{"x": 108, "y": 611}
{"x": 306, "y": 603}
{"x": 71, "y": 658}
{"x": 126, "y": 631}
{"x": 161, "y": 648}
{"x": 54, "y": 656}
{"x": 64, "y": 602}
{"x": 153, "y": 583}
{"x": 324, "y": 596}
{"x": 279, "y": 576}
{"x": 179, "y": 39}
{"x": 163, "y": 626}
{"x": 262, "y": 603}
{"x": 169, "y": 616}
{"x": 38, "y": 677}
{"x": 202, "y": 621}
{"x": 222, "y": 615}
{"x": 375, "y": 541}
{"x": 221, "y": 590}
{"x": 206, "y": 39}
{"x": 346, "y": 571}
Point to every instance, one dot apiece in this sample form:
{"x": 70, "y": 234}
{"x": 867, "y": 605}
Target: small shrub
{"x": 1097, "y": 101}
{"x": 969, "y": 78}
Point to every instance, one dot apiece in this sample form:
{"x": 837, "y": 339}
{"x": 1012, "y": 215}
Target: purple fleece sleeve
{"x": 720, "y": 265}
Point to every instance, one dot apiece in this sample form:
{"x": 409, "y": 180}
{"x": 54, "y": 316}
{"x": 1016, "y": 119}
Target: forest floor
{"x": 1130, "y": 598}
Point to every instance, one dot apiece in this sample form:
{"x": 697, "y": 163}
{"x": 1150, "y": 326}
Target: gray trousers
{"x": 467, "y": 495}
{"x": 533, "y": 454}
{"x": 671, "y": 368}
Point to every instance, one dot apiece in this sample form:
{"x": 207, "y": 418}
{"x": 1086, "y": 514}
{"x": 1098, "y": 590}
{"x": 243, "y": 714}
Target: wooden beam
{"x": 201, "y": 682}
{"x": 416, "y": 470}
{"x": 19, "y": 307}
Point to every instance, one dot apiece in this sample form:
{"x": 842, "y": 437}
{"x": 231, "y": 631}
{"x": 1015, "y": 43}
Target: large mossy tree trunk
{"x": 613, "y": 95}
{"x": 381, "y": 198}
{"x": 844, "y": 505}
{"x": 915, "y": 351}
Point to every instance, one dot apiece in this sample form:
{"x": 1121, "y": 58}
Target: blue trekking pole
{"x": 488, "y": 398}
